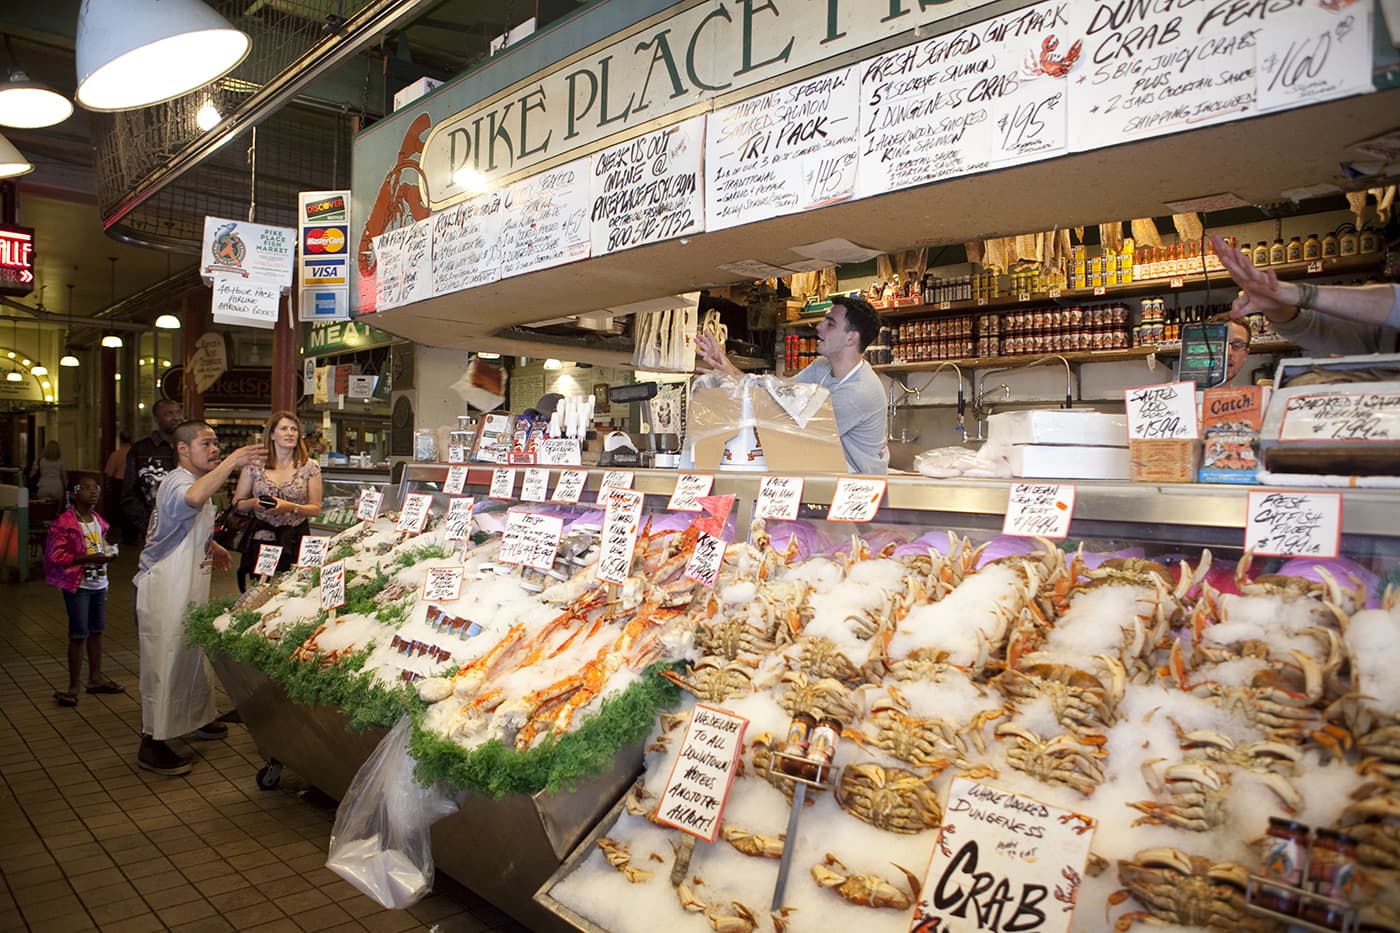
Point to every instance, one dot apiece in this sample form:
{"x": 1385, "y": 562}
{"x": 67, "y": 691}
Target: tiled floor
{"x": 89, "y": 841}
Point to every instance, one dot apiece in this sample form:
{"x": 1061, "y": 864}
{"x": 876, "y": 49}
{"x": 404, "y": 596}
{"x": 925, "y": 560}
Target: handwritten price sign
{"x": 268, "y": 556}
{"x": 619, "y": 536}
{"x": 333, "y": 585}
{"x": 367, "y": 508}
{"x": 617, "y": 479}
{"x": 1162, "y": 412}
{"x": 1039, "y": 510}
{"x": 856, "y": 500}
{"x": 536, "y": 485}
{"x": 689, "y": 488}
{"x": 703, "y": 566}
{"x": 698, "y": 786}
{"x": 570, "y": 485}
{"x": 458, "y": 524}
{"x": 456, "y": 453}
{"x": 779, "y": 497}
{"x": 442, "y": 584}
{"x": 531, "y": 539}
{"x": 559, "y": 451}
{"x": 1294, "y": 524}
{"x": 414, "y": 514}
{"x": 1361, "y": 416}
{"x": 312, "y": 552}
{"x": 502, "y": 484}
{"x": 456, "y": 480}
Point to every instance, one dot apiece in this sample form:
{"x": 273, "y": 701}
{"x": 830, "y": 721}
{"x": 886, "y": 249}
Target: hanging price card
{"x": 570, "y": 485}
{"x": 856, "y": 499}
{"x": 502, "y": 484}
{"x": 1039, "y": 510}
{"x": 312, "y": 552}
{"x": 333, "y": 585}
{"x": 414, "y": 514}
{"x": 456, "y": 453}
{"x": 1294, "y": 524}
{"x": 531, "y": 539}
{"x": 458, "y": 525}
{"x": 535, "y": 488}
{"x": 620, "y": 479}
{"x": 690, "y": 487}
{"x": 559, "y": 451}
{"x": 442, "y": 584}
{"x": 268, "y": 556}
{"x": 619, "y": 537}
{"x": 456, "y": 480}
{"x": 1162, "y": 412}
{"x": 779, "y": 497}
{"x": 703, "y": 566}
{"x": 698, "y": 786}
{"x": 367, "y": 508}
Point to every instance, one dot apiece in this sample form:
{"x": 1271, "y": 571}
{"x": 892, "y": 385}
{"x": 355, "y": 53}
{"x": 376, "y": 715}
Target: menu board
{"x": 404, "y": 263}
{"x": 789, "y": 150}
{"x": 545, "y": 220}
{"x": 465, "y": 239}
{"x": 648, "y": 189}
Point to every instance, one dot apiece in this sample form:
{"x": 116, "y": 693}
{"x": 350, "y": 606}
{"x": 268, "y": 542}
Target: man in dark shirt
{"x": 147, "y": 463}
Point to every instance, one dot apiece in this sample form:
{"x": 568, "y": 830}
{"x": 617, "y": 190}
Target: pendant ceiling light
{"x": 28, "y": 104}
{"x": 40, "y": 370}
{"x": 168, "y": 322}
{"x": 112, "y": 342}
{"x": 68, "y": 360}
{"x": 135, "y": 53}
{"x": 11, "y": 162}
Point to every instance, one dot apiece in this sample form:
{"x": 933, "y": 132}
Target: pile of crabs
{"x": 1177, "y": 704}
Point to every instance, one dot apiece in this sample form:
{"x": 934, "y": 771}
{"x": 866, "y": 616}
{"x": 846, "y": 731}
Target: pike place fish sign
{"x": 16, "y": 260}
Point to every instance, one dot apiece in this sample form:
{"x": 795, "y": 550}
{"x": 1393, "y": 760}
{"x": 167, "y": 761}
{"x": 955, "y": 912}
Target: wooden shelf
{"x": 1079, "y": 356}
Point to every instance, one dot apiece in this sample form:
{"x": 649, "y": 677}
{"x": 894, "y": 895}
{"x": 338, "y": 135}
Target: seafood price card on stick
{"x": 456, "y": 481}
{"x": 333, "y": 585}
{"x": 698, "y": 786}
{"x": 703, "y": 566}
{"x": 1162, "y": 412}
{"x": 502, "y": 484}
{"x": 1294, "y": 524}
{"x": 535, "y": 487}
{"x": 570, "y": 485}
{"x": 619, "y": 536}
{"x": 414, "y": 514}
{"x": 312, "y": 552}
{"x": 617, "y": 479}
{"x": 458, "y": 524}
{"x": 268, "y": 556}
{"x": 1003, "y": 862}
{"x": 689, "y": 488}
{"x": 442, "y": 584}
{"x": 559, "y": 451}
{"x": 779, "y": 498}
{"x": 855, "y": 500}
{"x": 367, "y": 508}
{"x": 531, "y": 539}
{"x": 1039, "y": 510}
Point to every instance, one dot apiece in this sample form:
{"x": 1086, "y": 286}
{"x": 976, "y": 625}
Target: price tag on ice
{"x": 619, "y": 536}
{"x": 1294, "y": 524}
{"x": 856, "y": 500}
{"x": 618, "y": 479}
{"x": 689, "y": 488}
{"x": 312, "y": 552}
{"x": 502, "y": 484}
{"x": 458, "y": 524}
{"x": 456, "y": 481}
{"x": 703, "y": 566}
{"x": 268, "y": 556}
{"x": 367, "y": 508}
{"x": 1162, "y": 412}
{"x": 531, "y": 539}
{"x": 333, "y": 585}
{"x": 570, "y": 485}
{"x": 559, "y": 451}
{"x": 779, "y": 497}
{"x": 442, "y": 584}
{"x": 414, "y": 514}
{"x": 456, "y": 453}
{"x": 1039, "y": 510}
{"x": 698, "y": 785}
{"x": 535, "y": 488}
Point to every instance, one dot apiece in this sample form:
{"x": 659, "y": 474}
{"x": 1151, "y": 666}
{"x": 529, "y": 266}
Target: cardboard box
{"x": 1163, "y": 461}
{"x": 712, "y": 420}
{"x": 1063, "y": 462}
{"x": 1054, "y": 426}
{"x": 414, "y": 91}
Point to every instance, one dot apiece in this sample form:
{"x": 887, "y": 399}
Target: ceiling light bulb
{"x": 28, "y": 104}
{"x": 118, "y": 377}
{"x": 165, "y": 363}
{"x": 11, "y": 354}
{"x": 208, "y": 116}
{"x": 47, "y": 385}
{"x": 12, "y": 163}
{"x": 69, "y": 360}
{"x": 48, "y": 398}
{"x": 112, "y": 341}
{"x": 552, "y": 363}
{"x": 168, "y": 322}
{"x": 25, "y": 361}
{"x": 135, "y": 53}
{"x": 489, "y": 356}
{"x": 14, "y": 376}
{"x": 40, "y": 370}
{"x": 141, "y": 406}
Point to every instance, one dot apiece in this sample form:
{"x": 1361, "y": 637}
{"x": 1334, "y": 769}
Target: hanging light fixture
{"x": 12, "y": 162}
{"x": 168, "y": 322}
{"x": 30, "y": 104}
{"x": 13, "y": 375}
{"x": 135, "y": 53}
{"x": 68, "y": 360}
{"x": 208, "y": 116}
{"x": 39, "y": 370}
{"x": 112, "y": 342}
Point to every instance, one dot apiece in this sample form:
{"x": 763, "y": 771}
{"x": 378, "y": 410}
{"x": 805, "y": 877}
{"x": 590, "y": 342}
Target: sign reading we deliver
{"x": 698, "y": 786}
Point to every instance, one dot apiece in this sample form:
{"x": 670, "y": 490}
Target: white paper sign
{"x": 456, "y": 453}
{"x": 649, "y": 189}
{"x": 570, "y": 485}
{"x": 1039, "y": 510}
{"x": 1162, "y": 412}
{"x": 698, "y": 786}
{"x": 703, "y": 566}
{"x": 619, "y": 537}
{"x": 1294, "y": 524}
{"x": 1031, "y": 852}
{"x": 404, "y": 265}
{"x": 620, "y": 479}
{"x": 465, "y": 243}
{"x": 458, "y": 524}
{"x": 1323, "y": 53}
{"x": 1362, "y": 416}
{"x": 535, "y": 488}
{"x": 268, "y": 556}
{"x": 367, "y": 508}
{"x": 442, "y": 584}
{"x": 779, "y": 497}
{"x": 312, "y": 552}
{"x": 546, "y": 219}
{"x": 361, "y": 387}
{"x": 855, "y": 499}
{"x": 530, "y": 539}
{"x": 414, "y": 513}
{"x": 238, "y": 249}
{"x": 456, "y": 480}
{"x": 690, "y": 487}
{"x": 333, "y": 585}
{"x": 502, "y": 484}
{"x": 249, "y": 303}
{"x": 558, "y": 451}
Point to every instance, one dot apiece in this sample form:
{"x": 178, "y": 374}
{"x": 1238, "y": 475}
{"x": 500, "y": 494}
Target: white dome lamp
{"x": 12, "y": 163}
{"x": 135, "y": 53}
{"x": 29, "y": 104}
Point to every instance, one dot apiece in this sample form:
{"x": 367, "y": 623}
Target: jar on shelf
{"x": 1369, "y": 241}
{"x": 1293, "y": 252}
{"x": 1278, "y": 253}
{"x": 425, "y": 445}
{"x": 1347, "y": 241}
{"x": 1261, "y": 253}
{"x": 1312, "y": 247}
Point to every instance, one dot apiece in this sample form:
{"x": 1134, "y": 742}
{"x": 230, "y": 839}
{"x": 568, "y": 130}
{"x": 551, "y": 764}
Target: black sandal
{"x": 66, "y": 697}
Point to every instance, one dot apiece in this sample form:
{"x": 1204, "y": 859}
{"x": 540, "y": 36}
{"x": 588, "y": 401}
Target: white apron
{"x": 177, "y": 683}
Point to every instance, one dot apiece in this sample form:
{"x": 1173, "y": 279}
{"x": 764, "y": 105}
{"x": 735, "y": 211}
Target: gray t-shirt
{"x": 858, "y": 402}
{"x": 171, "y": 519}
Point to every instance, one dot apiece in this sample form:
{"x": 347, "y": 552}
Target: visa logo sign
{"x": 324, "y": 271}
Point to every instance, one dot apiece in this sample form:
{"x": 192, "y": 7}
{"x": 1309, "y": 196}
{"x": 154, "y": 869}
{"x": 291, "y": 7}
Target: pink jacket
{"x": 64, "y": 545}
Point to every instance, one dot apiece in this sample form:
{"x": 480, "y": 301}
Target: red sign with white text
{"x": 16, "y": 260}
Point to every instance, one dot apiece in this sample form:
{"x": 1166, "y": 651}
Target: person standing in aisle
{"x": 113, "y": 471}
{"x": 292, "y": 480}
{"x": 75, "y": 561}
{"x": 177, "y": 692}
{"x": 51, "y": 473}
{"x": 147, "y": 463}
{"x": 857, "y": 396}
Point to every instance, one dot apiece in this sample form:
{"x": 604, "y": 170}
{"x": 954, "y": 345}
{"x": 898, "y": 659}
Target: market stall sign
{"x": 16, "y": 260}
{"x": 458, "y": 525}
{"x": 442, "y": 584}
{"x": 619, "y": 536}
{"x": 535, "y": 486}
{"x": 502, "y": 483}
{"x": 779, "y": 498}
{"x": 333, "y": 585}
{"x": 235, "y": 388}
{"x": 367, "y": 508}
{"x": 414, "y": 514}
{"x": 312, "y": 552}
{"x": 1294, "y": 524}
{"x": 1039, "y": 510}
{"x": 1162, "y": 412}
{"x": 570, "y": 485}
{"x": 1363, "y": 416}
{"x": 531, "y": 538}
{"x": 698, "y": 786}
{"x": 689, "y": 488}
{"x": 328, "y": 337}
{"x": 456, "y": 480}
{"x": 268, "y": 556}
{"x": 855, "y": 499}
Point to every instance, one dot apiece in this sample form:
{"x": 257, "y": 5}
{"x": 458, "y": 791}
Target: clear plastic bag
{"x": 381, "y": 841}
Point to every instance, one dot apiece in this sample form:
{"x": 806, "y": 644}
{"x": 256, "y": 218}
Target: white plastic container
{"x": 1058, "y": 427}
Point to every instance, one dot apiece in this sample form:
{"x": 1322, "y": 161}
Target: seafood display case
{"x": 340, "y": 491}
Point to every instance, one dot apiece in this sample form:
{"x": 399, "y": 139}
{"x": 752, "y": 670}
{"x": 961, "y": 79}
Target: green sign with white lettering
{"x": 341, "y": 337}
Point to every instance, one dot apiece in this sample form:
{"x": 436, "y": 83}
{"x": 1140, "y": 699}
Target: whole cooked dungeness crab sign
{"x": 1003, "y": 862}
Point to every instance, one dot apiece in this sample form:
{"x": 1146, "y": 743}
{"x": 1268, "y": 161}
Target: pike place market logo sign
{"x": 662, "y": 67}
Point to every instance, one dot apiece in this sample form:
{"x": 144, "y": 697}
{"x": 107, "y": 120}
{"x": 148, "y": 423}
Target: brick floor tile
{"x": 122, "y": 909}
{"x": 43, "y": 891}
{"x": 280, "y": 887}
{"x": 253, "y": 915}
{"x": 169, "y": 897}
{"x": 141, "y": 923}
{"x": 321, "y": 918}
{"x": 203, "y": 871}
{"x": 107, "y": 894}
{"x": 390, "y": 921}
{"x": 237, "y": 899}
{"x": 205, "y": 925}
{"x": 219, "y": 884}
{"x": 277, "y": 926}
{"x": 186, "y": 912}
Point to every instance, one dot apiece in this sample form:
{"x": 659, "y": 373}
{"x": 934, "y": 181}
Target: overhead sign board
{"x": 16, "y": 260}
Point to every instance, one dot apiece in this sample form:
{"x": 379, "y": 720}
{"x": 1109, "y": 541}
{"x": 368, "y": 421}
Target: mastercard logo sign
{"x": 325, "y": 240}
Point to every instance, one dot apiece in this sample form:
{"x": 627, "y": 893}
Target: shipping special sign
{"x": 16, "y": 260}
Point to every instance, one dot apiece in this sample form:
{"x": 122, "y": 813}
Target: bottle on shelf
{"x": 1293, "y": 252}
{"x": 1278, "y": 253}
{"x": 1347, "y": 240}
{"x": 1369, "y": 241}
{"x": 1248, "y": 252}
{"x": 1312, "y": 247}
{"x": 1330, "y": 246}
{"x": 1261, "y": 253}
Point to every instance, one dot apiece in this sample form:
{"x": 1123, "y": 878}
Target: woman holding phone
{"x": 283, "y": 494}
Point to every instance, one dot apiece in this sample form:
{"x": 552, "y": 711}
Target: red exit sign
{"x": 16, "y": 260}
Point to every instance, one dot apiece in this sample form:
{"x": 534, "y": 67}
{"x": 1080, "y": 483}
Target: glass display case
{"x": 340, "y": 491}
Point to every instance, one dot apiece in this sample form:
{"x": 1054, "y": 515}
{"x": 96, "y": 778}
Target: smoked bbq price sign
{"x": 698, "y": 786}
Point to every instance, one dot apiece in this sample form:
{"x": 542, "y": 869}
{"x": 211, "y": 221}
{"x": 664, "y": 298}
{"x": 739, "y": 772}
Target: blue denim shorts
{"x": 87, "y": 612}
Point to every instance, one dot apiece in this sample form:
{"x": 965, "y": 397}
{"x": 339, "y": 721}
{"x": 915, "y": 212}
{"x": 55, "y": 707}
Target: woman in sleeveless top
{"x": 292, "y": 480}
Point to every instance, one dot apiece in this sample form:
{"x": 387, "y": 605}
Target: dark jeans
{"x": 87, "y": 613}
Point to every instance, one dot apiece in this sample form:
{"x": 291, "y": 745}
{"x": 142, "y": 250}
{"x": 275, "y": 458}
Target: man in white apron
{"x": 177, "y": 687}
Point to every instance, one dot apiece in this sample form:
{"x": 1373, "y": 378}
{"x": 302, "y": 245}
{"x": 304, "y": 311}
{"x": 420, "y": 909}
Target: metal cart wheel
{"x": 270, "y": 775}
